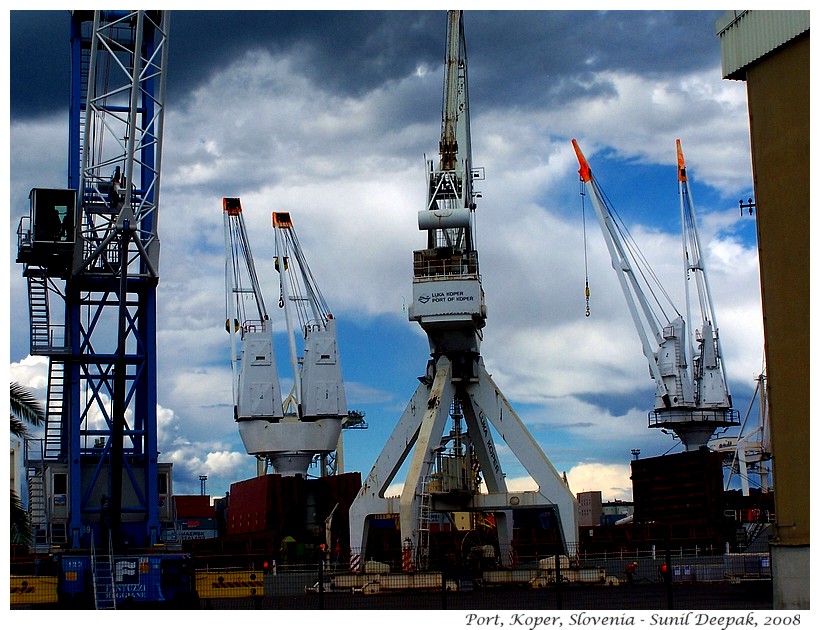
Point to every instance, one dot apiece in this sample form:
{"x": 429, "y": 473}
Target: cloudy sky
{"x": 329, "y": 115}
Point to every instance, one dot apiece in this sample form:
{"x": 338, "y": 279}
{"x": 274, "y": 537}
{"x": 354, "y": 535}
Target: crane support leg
{"x": 371, "y": 499}
{"x": 489, "y": 404}
{"x": 427, "y": 442}
{"x": 421, "y": 427}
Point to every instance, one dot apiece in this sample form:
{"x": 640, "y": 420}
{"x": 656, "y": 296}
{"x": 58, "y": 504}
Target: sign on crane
{"x": 447, "y": 469}
{"x": 691, "y": 390}
{"x": 290, "y": 432}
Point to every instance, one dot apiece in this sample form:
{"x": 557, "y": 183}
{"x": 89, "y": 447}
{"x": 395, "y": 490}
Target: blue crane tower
{"x": 91, "y": 261}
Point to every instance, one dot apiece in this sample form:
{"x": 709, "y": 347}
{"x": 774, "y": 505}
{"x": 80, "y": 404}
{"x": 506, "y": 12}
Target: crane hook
{"x": 586, "y": 294}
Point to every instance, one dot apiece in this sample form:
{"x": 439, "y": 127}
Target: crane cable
{"x": 586, "y": 266}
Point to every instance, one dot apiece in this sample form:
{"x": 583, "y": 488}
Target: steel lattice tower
{"x": 101, "y": 270}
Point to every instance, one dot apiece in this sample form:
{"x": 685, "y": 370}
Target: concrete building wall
{"x": 777, "y": 83}
{"x": 778, "y": 92}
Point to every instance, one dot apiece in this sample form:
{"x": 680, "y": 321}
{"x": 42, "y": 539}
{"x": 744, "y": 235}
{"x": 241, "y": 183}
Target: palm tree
{"x": 25, "y": 409}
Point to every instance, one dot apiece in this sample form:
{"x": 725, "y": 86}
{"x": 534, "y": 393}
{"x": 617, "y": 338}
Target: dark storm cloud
{"x": 538, "y": 57}
{"x": 618, "y": 404}
{"x": 350, "y": 52}
{"x": 518, "y": 57}
{"x": 39, "y": 62}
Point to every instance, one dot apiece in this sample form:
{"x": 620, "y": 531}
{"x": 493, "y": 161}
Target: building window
{"x": 60, "y": 483}
{"x": 162, "y": 483}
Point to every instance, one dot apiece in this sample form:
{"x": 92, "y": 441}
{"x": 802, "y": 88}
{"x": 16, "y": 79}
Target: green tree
{"x": 25, "y": 410}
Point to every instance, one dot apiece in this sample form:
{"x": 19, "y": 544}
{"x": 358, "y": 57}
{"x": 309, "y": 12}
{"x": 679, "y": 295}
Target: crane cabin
{"x": 46, "y": 237}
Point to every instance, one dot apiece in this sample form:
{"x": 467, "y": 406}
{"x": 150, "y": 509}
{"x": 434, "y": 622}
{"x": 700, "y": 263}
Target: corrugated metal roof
{"x": 746, "y": 36}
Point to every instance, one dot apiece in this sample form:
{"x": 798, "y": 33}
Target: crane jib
{"x": 691, "y": 389}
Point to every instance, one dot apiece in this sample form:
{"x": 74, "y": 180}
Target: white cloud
{"x": 31, "y": 372}
{"x": 645, "y": 116}
{"x": 221, "y": 466}
{"x": 613, "y": 480}
{"x": 224, "y": 462}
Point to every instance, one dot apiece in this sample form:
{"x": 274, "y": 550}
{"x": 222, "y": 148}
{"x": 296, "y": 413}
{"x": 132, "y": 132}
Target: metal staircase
{"x": 37, "y": 506}
{"x": 102, "y": 571}
{"x": 754, "y": 531}
{"x": 54, "y": 410}
{"x": 45, "y": 339}
{"x": 40, "y": 342}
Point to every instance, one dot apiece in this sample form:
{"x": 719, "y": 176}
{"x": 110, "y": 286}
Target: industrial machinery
{"x": 99, "y": 499}
{"x": 91, "y": 259}
{"x": 748, "y": 455}
{"x": 692, "y": 396}
{"x": 455, "y": 470}
{"x": 288, "y": 433}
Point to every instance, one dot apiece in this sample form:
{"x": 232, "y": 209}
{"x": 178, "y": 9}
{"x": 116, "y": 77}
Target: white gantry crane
{"x": 288, "y": 433}
{"x": 447, "y": 466}
{"x": 692, "y": 396}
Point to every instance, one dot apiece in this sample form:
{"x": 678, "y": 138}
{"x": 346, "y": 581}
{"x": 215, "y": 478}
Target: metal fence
{"x": 691, "y": 581}
{"x": 685, "y": 581}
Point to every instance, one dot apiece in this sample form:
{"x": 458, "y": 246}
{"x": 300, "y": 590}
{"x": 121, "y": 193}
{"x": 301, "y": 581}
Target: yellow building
{"x": 769, "y": 50}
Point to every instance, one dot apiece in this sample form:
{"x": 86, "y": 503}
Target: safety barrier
{"x": 229, "y": 584}
{"x": 27, "y": 590}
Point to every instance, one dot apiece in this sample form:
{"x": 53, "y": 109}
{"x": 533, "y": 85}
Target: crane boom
{"x": 646, "y": 321}
{"x": 454, "y": 146}
{"x": 290, "y": 433}
{"x": 256, "y": 392}
{"x": 712, "y": 385}
{"x": 691, "y": 395}
{"x": 318, "y": 385}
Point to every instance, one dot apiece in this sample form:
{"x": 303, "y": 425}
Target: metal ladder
{"x": 102, "y": 572}
{"x": 45, "y": 533}
{"x": 425, "y": 512}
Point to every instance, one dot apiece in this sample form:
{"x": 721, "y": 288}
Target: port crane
{"x": 287, "y": 433}
{"x": 447, "y": 467}
{"x": 748, "y": 455}
{"x": 692, "y": 396}
{"x": 90, "y": 256}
